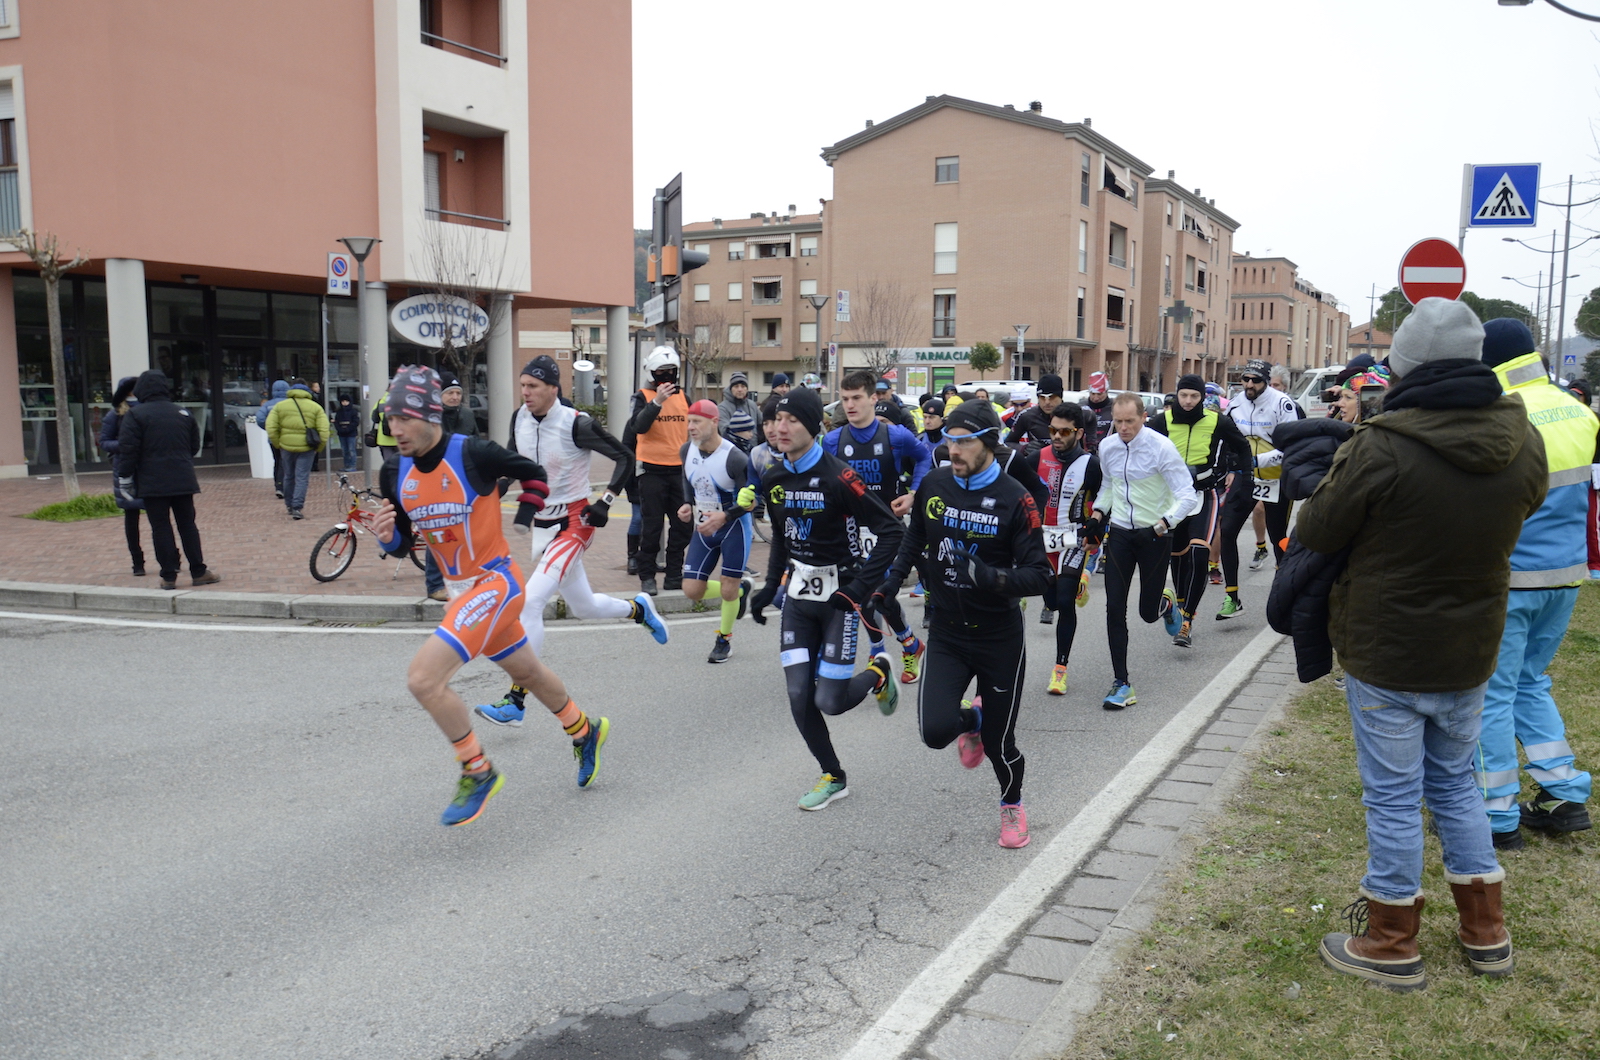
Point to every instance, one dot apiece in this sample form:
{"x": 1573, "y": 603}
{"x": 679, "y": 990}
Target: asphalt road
{"x": 226, "y": 843}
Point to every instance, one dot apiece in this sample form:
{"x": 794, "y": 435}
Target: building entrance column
{"x": 502, "y": 374}
{"x": 128, "y": 317}
{"x": 376, "y": 307}
{"x": 13, "y": 455}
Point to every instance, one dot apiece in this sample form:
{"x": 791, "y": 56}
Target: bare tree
{"x": 44, "y": 250}
{"x": 703, "y": 342}
{"x": 883, "y": 320}
{"x": 461, "y": 264}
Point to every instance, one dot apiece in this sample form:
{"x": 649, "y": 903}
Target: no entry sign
{"x": 1432, "y": 268}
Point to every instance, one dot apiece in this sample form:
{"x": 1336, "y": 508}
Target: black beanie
{"x": 1505, "y": 339}
{"x": 975, "y": 416}
{"x": 1191, "y": 382}
{"x": 415, "y": 392}
{"x": 804, "y": 405}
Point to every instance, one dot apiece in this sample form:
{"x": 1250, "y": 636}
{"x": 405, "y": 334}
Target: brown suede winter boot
{"x": 1483, "y": 931}
{"x": 1386, "y": 951}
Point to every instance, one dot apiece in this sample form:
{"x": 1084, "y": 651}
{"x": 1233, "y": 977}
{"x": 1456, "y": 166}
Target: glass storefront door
{"x": 245, "y": 374}
{"x": 86, "y": 353}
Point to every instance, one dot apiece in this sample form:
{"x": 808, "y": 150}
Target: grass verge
{"x": 1229, "y": 967}
{"x": 83, "y": 506}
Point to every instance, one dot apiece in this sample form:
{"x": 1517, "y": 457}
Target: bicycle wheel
{"x": 759, "y": 528}
{"x": 331, "y": 555}
{"x": 419, "y": 552}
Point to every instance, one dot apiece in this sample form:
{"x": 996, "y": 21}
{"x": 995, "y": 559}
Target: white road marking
{"x": 925, "y": 999}
{"x": 563, "y": 626}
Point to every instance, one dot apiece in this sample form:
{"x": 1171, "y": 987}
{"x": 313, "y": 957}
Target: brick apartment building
{"x": 209, "y": 180}
{"x": 1282, "y": 318}
{"x": 984, "y": 217}
{"x": 1369, "y": 338}
{"x": 746, "y": 309}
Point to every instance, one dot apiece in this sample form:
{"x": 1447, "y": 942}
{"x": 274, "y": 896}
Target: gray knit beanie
{"x": 1438, "y": 329}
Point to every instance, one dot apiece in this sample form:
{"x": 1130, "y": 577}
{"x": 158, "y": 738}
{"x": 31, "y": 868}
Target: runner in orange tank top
{"x": 445, "y": 487}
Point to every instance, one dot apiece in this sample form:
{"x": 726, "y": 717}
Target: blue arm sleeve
{"x": 908, "y": 446}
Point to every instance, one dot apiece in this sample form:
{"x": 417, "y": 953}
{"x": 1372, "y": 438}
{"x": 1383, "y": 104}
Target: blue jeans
{"x": 1412, "y": 746}
{"x": 1518, "y": 707}
{"x": 296, "y": 475}
{"x": 350, "y": 446}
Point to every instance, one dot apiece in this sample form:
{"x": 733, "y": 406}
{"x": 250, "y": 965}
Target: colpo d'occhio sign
{"x": 428, "y": 319}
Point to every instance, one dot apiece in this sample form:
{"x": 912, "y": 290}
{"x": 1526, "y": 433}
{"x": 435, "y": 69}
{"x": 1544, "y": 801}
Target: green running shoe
{"x": 1232, "y": 607}
{"x": 827, "y": 790}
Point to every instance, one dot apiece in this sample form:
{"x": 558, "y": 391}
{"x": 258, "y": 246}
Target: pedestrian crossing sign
{"x": 1500, "y": 196}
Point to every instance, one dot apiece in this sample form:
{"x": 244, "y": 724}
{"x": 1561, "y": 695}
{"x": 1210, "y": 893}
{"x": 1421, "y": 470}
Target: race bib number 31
{"x": 1060, "y": 538}
{"x": 813, "y": 583}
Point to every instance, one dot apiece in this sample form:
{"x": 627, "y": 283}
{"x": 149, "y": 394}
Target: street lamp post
{"x": 1021, "y": 330}
{"x": 818, "y": 301}
{"x": 360, "y": 247}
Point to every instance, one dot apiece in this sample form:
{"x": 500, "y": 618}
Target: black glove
{"x": 1094, "y": 529}
{"x": 762, "y": 600}
{"x": 983, "y": 576}
{"x": 885, "y": 592}
{"x": 597, "y": 514}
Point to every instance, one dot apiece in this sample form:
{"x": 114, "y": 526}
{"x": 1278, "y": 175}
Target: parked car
{"x": 1000, "y": 390}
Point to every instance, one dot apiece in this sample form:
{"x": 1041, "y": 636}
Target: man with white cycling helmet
{"x": 1255, "y": 411}
{"x": 658, "y": 429}
{"x": 560, "y": 438}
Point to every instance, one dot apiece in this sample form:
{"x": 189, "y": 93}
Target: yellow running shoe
{"x": 1058, "y": 681}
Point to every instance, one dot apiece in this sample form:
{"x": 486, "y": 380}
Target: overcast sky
{"x": 1334, "y": 131}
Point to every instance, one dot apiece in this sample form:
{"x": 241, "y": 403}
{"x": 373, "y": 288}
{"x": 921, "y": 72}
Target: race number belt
{"x": 813, "y": 583}
{"x": 1265, "y": 489}
{"x": 1060, "y": 538}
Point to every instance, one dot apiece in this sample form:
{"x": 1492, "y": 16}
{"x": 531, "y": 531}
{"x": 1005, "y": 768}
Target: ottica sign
{"x": 427, "y": 319}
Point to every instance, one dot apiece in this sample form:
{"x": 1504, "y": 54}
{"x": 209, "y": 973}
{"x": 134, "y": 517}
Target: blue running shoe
{"x": 1121, "y": 695}
{"x": 587, "y": 751}
{"x": 505, "y": 712}
{"x": 1170, "y": 616}
{"x": 471, "y": 794}
{"x": 650, "y": 618}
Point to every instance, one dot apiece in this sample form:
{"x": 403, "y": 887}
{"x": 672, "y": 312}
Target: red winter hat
{"x": 705, "y": 408}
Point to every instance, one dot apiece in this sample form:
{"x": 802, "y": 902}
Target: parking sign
{"x": 340, "y": 266}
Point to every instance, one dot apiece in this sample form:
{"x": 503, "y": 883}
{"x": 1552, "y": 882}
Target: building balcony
{"x": 499, "y": 224}
{"x": 1082, "y": 327}
{"x": 10, "y": 205}
{"x": 767, "y": 301}
{"x": 1120, "y": 263}
{"x": 1116, "y": 325}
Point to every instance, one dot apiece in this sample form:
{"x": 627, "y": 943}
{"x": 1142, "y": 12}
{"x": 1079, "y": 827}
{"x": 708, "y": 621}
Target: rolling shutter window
{"x": 8, "y": 104}
{"x": 430, "y": 181}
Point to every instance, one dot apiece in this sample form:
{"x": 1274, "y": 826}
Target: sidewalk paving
{"x": 250, "y": 540}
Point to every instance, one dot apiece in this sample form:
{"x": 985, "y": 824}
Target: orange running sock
{"x": 573, "y": 721}
{"x": 470, "y": 754}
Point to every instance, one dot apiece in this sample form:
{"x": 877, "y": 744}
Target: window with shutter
{"x": 430, "y": 183}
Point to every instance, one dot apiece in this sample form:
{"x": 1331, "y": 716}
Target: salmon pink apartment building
{"x": 207, "y": 157}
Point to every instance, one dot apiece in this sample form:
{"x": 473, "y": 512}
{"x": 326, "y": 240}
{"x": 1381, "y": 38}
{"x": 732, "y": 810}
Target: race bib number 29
{"x": 813, "y": 583}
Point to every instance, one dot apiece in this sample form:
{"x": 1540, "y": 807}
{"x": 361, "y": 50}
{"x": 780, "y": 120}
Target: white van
{"x": 1000, "y": 390}
{"x": 1308, "y": 393}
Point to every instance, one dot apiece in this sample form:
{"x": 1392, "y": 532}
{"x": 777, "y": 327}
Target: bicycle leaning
{"x": 334, "y": 551}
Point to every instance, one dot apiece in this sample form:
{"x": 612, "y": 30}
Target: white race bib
{"x": 702, "y": 514}
{"x": 813, "y": 583}
{"x": 1060, "y": 538}
{"x": 1265, "y": 489}
{"x": 455, "y": 587}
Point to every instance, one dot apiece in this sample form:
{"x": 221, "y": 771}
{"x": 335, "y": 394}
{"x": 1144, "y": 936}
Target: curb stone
{"x": 1027, "y": 1002}
{"x": 225, "y": 604}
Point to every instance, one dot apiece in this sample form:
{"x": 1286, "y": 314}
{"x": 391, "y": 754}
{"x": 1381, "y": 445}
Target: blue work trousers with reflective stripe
{"x": 1518, "y": 708}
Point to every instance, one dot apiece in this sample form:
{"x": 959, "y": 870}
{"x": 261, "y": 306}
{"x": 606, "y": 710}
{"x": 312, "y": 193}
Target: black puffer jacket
{"x": 1308, "y": 447}
{"x": 1298, "y": 603}
{"x": 158, "y": 440}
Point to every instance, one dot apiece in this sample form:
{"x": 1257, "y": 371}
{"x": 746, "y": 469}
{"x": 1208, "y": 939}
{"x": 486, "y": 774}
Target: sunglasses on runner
{"x": 1062, "y": 432}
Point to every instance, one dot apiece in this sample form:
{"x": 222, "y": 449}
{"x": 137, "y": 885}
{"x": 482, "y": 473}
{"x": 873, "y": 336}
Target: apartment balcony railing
{"x": 1188, "y": 287}
{"x": 1120, "y": 263}
{"x": 1166, "y": 287}
{"x": 445, "y": 42}
{"x": 1082, "y": 327}
{"x": 767, "y": 342}
{"x": 767, "y": 301}
{"x": 436, "y": 215}
{"x": 10, "y": 205}
{"x": 1115, "y": 325}
{"x": 944, "y": 327}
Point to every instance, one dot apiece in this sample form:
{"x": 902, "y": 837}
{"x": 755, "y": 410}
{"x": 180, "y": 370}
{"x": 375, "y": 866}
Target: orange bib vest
{"x": 667, "y": 436}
